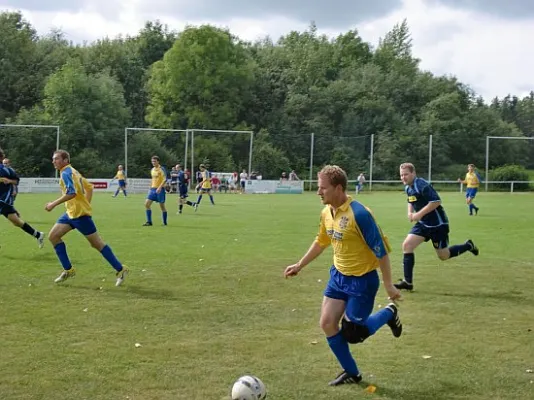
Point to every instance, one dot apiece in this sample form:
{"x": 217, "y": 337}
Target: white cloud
{"x": 483, "y": 50}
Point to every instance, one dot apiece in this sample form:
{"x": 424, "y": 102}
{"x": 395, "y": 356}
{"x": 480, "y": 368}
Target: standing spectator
{"x": 293, "y": 176}
{"x": 243, "y": 176}
{"x": 359, "y": 183}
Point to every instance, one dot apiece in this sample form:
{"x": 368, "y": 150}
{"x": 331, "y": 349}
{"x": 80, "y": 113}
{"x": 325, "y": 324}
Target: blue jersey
{"x": 181, "y": 178}
{"x": 6, "y": 189}
{"x": 420, "y": 193}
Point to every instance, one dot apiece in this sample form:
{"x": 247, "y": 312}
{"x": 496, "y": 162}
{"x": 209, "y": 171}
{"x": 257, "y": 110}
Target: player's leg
{"x": 123, "y": 188}
{"x": 148, "y": 212}
{"x": 473, "y": 195}
{"x": 440, "y": 241}
{"x": 87, "y": 227}
{"x": 211, "y": 197}
{"x": 416, "y": 236}
{"x": 55, "y": 236}
{"x": 199, "y": 199}
{"x": 161, "y": 201}
{"x": 14, "y": 217}
{"x": 332, "y": 310}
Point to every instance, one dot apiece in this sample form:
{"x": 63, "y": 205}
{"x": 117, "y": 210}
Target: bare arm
{"x": 61, "y": 200}
{"x": 313, "y": 252}
{"x": 385, "y": 269}
{"x": 89, "y": 193}
{"x": 425, "y": 210}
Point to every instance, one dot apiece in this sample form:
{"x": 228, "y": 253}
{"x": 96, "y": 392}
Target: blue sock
{"x": 199, "y": 198}
{"x": 110, "y": 258}
{"x": 458, "y": 249}
{"x": 378, "y": 320}
{"x": 340, "y": 348}
{"x": 61, "y": 251}
{"x": 124, "y": 191}
{"x": 211, "y": 199}
{"x": 164, "y": 217}
{"x": 471, "y": 207}
{"x": 117, "y": 192}
{"x": 149, "y": 216}
{"x": 408, "y": 263}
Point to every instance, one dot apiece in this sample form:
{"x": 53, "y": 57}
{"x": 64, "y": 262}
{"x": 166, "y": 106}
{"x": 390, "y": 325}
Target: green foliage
{"x": 511, "y": 173}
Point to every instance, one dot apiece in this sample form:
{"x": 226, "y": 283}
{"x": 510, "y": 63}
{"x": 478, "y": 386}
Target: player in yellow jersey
{"x": 120, "y": 176}
{"x": 472, "y": 180}
{"x": 360, "y": 248}
{"x": 156, "y": 192}
{"x": 76, "y": 193}
{"x": 205, "y": 185}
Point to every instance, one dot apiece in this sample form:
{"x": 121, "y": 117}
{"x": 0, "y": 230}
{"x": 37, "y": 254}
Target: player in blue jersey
{"x": 77, "y": 193}
{"x": 430, "y": 223}
{"x": 183, "y": 190}
{"x": 8, "y": 181}
{"x": 7, "y": 163}
{"x": 360, "y": 248}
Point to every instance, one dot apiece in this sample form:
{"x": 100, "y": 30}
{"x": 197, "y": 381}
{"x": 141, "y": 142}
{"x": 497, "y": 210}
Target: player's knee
{"x": 328, "y": 325}
{"x": 407, "y": 247}
{"x": 354, "y": 333}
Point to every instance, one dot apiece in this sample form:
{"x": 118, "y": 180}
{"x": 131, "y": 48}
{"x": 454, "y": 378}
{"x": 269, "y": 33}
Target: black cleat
{"x": 474, "y": 248}
{"x": 147, "y": 224}
{"x": 403, "y": 285}
{"x": 394, "y": 323}
{"x": 476, "y": 210}
{"x": 345, "y": 378}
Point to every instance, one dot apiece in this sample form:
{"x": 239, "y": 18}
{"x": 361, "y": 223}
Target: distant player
{"x": 472, "y": 180}
{"x": 182, "y": 180}
{"x": 360, "y": 249}
{"x": 8, "y": 181}
{"x": 205, "y": 185}
{"x": 77, "y": 193}
{"x": 431, "y": 223}
{"x": 156, "y": 192}
{"x": 359, "y": 183}
{"x": 121, "y": 179}
{"x": 243, "y": 176}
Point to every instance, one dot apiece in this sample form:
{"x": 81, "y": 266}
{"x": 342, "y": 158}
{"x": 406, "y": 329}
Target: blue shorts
{"x": 358, "y": 292}
{"x": 439, "y": 235}
{"x": 158, "y": 198}
{"x": 84, "y": 225}
{"x": 183, "y": 191}
{"x": 471, "y": 193}
{"x": 122, "y": 183}
{"x": 205, "y": 190}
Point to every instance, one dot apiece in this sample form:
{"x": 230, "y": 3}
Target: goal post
{"x": 488, "y": 148}
{"x": 37, "y": 126}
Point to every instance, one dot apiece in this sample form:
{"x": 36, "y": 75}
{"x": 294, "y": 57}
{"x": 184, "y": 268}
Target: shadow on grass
{"x": 128, "y": 290}
{"x": 514, "y": 297}
{"x": 34, "y": 257}
{"x": 439, "y": 391}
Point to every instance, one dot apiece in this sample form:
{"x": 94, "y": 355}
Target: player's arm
{"x": 70, "y": 191}
{"x": 463, "y": 181}
{"x": 434, "y": 201}
{"x": 321, "y": 242}
{"x": 163, "y": 182}
{"x": 88, "y": 189}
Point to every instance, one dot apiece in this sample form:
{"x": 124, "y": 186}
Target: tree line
{"x": 340, "y": 89}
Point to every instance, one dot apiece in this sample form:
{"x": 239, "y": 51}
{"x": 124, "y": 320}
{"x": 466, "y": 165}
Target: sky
{"x": 485, "y": 43}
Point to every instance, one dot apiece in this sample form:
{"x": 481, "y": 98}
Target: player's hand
{"x": 459, "y": 180}
{"x": 4, "y": 180}
{"x": 49, "y": 206}
{"x": 394, "y": 294}
{"x": 414, "y": 217}
{"x": 292, "y": 270}
{"x": 158, "y": 190}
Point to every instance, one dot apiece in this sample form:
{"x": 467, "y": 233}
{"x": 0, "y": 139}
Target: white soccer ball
{"x": 249, "y": 387}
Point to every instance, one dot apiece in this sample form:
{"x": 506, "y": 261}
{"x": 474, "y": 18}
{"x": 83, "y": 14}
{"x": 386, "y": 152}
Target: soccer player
{"x": 431, "y": 223}
{"x": 121, "y": 179}
{"x": 7, "y": 163}
{"x": 77, "y": 193}
{"x": 182, "y": 189}
{"x": 8, "y": 181}
{"x": 360, "y": 182}
{"x": 472, "y": 179}
{"x": 156, "y": 192}
{"x": 360, "y": 249}
{"x": 205, "y": 185}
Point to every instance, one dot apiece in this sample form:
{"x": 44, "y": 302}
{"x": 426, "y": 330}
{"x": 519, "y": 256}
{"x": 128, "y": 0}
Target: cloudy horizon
{"x": 483, "y": 43}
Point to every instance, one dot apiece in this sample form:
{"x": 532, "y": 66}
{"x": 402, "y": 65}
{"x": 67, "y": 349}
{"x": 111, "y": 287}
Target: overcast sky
{"x": 485, "y": 43}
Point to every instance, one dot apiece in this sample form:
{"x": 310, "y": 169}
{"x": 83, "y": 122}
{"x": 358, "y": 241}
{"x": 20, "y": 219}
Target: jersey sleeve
{"x": 66, "y": 177}
{"x": 322, "y": 238}
{"x": 370, "y": 231}
{"x": 429, "y": 193}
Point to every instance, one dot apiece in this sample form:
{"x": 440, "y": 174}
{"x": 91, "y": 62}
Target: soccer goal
{"x": 140, "y": 144}
{"x": 224, "y": 150}
{"x": 30, "y": 149}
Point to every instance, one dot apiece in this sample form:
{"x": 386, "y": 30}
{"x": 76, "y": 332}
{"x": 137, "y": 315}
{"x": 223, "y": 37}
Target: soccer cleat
{"x": 147, "y": 224}
{"x": 121, "y": 275}
{"x": 403, "y": 285}
{"x": 476, "y": 210}
{"x": 474, "y": 248}
{"x": 65, "y": 274}
{"x": 344, "y": 378}
{"x": 394, "y": 323}
{"x": 40, "y": 239}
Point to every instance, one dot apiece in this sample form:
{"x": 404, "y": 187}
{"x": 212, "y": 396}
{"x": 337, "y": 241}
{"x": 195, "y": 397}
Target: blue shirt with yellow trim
{"x": 356, "y": 238}
{"x": 420, "y": 193}
{"x": 72, "y": 182}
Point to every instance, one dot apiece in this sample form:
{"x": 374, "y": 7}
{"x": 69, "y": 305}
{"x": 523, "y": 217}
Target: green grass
{"x": 202, "y": 324}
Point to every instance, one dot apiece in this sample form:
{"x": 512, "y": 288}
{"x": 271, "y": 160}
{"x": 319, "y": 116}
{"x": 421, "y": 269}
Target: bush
{"x": 510, "y": 173}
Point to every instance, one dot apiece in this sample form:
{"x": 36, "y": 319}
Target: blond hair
{"x": 335, "y": 175}
{"x": 409, "y": 166}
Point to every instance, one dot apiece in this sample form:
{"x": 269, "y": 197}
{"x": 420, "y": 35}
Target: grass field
{"x": 207, "y": 302}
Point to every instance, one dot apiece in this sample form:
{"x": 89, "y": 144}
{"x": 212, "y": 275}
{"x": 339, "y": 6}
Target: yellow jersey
{"x": 72, "y": 182}
{"x": 120, "y": 176}
{"x": 472, "y": 180}
{"x": 206, "y": 179}
{"x": 356, "y": 238}
{"x": 158, "y": 177}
